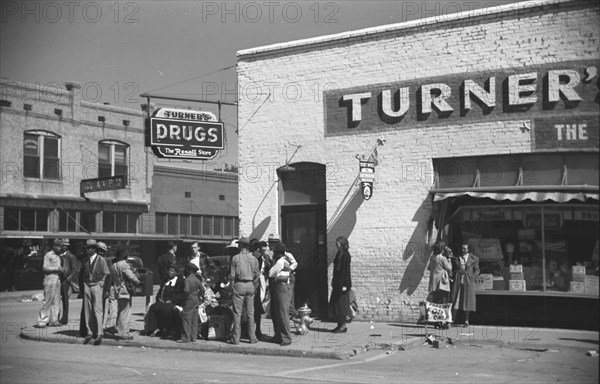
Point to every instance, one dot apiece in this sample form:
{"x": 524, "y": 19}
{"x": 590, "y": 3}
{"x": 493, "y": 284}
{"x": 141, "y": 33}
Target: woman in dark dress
{"x": 341, "y": 283}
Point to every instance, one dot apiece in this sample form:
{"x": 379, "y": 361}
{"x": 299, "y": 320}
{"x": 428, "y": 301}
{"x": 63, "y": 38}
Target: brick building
{"x": 480, "y": 126}
{"x": 51, "y": 140}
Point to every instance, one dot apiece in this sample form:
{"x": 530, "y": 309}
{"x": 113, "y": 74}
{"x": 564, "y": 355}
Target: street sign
{"x": 102, "y": 184}
{"x": 185, "y": 134}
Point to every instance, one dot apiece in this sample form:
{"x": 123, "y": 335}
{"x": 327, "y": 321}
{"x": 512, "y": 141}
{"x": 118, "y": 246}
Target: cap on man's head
{"x": 273, "y": 238}
{"x": 65, "y": 242}
{"x": 192, "y": 267}
{"x": 58, "y": 242}
{"x": 102, "y": 246}
{"x": 91, "y": 243}
{"x": 280, "y": 247}
{"x": 244, "y": 241}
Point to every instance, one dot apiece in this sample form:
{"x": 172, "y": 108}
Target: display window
{"x": 531, "y": 247}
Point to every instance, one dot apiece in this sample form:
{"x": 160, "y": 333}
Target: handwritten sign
{"x": 436, "y": 313}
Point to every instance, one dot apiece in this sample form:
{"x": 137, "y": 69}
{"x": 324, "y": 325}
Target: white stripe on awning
{"x": 560, "y": 197}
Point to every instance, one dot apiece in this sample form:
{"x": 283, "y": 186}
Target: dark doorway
{"x": 303, "y": 218}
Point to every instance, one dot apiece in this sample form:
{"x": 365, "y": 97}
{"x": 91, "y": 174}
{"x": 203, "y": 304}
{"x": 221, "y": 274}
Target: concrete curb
{"x": 201, "y": 346}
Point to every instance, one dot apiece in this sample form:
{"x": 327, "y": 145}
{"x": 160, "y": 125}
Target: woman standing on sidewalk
{"x": 466, "y": 267}
{"x": 341, "y": 283}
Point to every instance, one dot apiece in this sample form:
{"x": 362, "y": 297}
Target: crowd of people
{"x": 259, "y": 281}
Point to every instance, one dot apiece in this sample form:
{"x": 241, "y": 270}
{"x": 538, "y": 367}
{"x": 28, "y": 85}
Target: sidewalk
{"x": 319, "y": 342}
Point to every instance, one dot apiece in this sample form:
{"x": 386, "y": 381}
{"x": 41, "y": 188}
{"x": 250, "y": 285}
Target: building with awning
{"x": 78, "y": 170}
{"x": 479, "y": 127}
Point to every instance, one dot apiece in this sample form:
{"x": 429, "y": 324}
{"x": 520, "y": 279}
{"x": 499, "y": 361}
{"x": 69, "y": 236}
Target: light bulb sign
{"x": 185, "y": 134}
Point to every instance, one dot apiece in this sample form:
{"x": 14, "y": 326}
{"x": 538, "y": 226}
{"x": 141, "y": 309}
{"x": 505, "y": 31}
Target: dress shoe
{"x": 126, "y": 338}
{"x": 285, "y": 343}
{"x": 466, "y": 324}
{"x": 232, "y": 342}
{"x": 253, "y": 341}
{"x": 87, "y": 339}
{"x": 55, "y": 324}
{"x": 98, "y": 340}
{"x": 340, "y": 330}
{"x": 42, "y": 326}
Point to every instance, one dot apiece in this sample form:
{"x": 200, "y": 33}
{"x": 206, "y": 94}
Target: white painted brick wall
{"x": 396, "y": 215}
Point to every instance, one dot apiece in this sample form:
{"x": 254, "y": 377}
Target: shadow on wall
{"x": 344, "y": 219}
{"x": 259, "y": 231}
{"x": 416, "y": 250}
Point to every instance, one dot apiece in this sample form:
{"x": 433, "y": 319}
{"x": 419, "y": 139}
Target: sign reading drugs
{"x": 184, "y": 134}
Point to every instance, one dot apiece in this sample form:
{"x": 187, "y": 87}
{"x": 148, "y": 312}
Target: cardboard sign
{"x": 435, "y": 313}
{"x": 516, "y": 268}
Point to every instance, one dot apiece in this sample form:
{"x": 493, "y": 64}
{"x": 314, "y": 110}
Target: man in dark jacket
{"x": 165, "y": 261}
{"x": 67, "y": 274}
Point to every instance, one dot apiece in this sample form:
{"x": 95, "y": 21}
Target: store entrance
{"x": 304, "y": 233}
{"x": 303, "y": 227}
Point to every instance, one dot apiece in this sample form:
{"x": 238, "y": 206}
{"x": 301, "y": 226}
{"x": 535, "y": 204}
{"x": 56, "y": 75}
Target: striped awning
{"x": 535, "y": 196}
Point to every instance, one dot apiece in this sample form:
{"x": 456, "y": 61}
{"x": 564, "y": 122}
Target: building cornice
{"x": 374, "y": 32}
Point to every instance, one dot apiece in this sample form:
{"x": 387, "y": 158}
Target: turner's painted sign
{"x": 524, "y": 92}
{"x": 183, "y": 134}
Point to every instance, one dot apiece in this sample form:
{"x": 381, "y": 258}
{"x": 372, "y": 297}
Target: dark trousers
{"x": 258, "y": 311}
{"x": 65, "y": 286}
{"x": 190, "y": 324}
{"x": 281, "y": 304}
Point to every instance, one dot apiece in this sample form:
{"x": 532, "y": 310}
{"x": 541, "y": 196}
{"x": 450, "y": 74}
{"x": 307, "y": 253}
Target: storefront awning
{"x": 535, "y": 196}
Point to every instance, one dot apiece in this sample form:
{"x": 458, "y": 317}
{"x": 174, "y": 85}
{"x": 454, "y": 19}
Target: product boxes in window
{"x": 577, "y": 287}
{"x": 591, "y": 285}
{"x": 578, "y": 273}
{"x": 516, "y": 268}
{"x": 516, "y": 285}
{"x": 517, "y": 276}
{"x": 498, "y": 283}
{"x": 488, "y": 280}
{"x": 479, "y": 283}
{"x": 220, "y": 325}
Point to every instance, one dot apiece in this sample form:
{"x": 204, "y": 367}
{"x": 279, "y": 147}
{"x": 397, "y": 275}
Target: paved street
{"x": 25, "y": 361}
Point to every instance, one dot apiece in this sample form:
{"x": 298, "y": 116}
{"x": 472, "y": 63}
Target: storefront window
{"x": 549, "y": 247}
{"x": 28, "y": 220}
{"x": 160, "y": 221}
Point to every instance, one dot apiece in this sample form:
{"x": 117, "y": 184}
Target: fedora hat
{"x": 233, "y": 244}
{"x": 243, "y": 241}
{"x": 102, "y": 246}
{"x": 91, "y": 243}
{"x": 66, "y": 242}
{"x": 58, "y": 242}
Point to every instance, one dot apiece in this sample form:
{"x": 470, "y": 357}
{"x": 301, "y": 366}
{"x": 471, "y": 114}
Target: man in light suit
{"x": 121, "y": 274}
{"x": 94, "y": 271}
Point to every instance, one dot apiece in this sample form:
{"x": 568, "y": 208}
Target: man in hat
{"x": 94, "y": 271}
{"x": 108, "y": 294}
{"x": 166, "y": 261}
{"x": 67, "y": 274}
{"x": 273, "y": 240}
{"x": 51, "y": 302}
{"x": 244, "y": 277}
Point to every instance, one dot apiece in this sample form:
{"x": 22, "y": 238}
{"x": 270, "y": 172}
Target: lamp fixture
{"x": 287, "y": 167}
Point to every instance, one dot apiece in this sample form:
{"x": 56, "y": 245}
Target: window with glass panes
{"x": 41, "y": 155}
{"x": 113, "y": 159}
{"x": 119, "y": 222}
{"x": 207, "y": 225}
{"x": 16, "y": 219}
{"x": 160, "y": 219}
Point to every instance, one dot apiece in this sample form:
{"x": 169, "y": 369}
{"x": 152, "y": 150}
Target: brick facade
{"x": 388, "y": 233}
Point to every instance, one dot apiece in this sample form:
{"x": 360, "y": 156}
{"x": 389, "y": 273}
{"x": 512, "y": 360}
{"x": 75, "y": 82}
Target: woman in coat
{"x": 465, "y": 267}
{"x": 341, "y": 283}
{"x": 440, "y": 270}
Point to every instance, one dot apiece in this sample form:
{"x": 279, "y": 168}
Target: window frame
{"x": 41, "y": 136}
{"x": 113, "y": 144}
